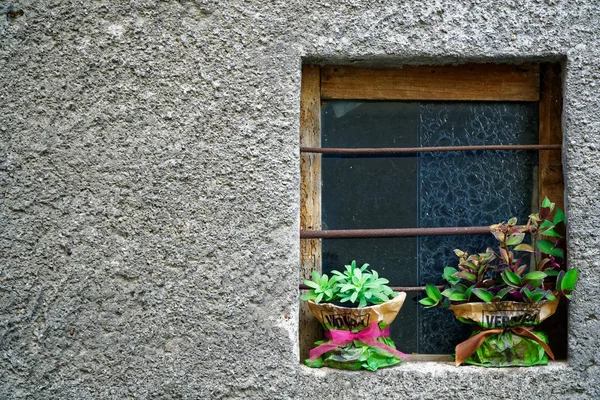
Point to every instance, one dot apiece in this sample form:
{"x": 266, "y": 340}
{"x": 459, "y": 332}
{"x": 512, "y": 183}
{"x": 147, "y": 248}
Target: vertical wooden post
{"x": 310, "y": 168}
{"x": 310, "y": 196}
{"x": 551, "y": 183}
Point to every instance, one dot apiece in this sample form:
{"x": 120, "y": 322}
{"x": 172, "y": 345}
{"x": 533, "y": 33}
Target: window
{"x": 399, "y": 195}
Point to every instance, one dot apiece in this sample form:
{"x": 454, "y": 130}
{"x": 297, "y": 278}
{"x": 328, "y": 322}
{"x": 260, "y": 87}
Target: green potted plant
{"x": 355, "y": 307}
{"x": 507, "y": 292}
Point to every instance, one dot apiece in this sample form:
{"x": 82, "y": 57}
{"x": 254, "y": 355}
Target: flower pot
{"x": 356, "y": 338}
{"x": 505, "y": 333}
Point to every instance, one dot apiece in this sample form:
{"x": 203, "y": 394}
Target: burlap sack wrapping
{"x": 505, "y": 336}
{"x": 357, "y": 354}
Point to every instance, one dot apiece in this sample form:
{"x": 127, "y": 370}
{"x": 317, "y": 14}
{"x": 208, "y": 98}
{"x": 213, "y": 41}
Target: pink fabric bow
{"x": 368, "y": 336}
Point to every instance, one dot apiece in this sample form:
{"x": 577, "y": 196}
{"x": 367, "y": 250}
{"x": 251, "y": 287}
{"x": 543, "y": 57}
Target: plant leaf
{"x": 311, "y": 284}
{"x": 433, "y": 292}
{"x": 515, "y": 239}
{"x": 511, "y": 278}
{"x": 570, "y": 279}
{"x": 348, "y": 286}
{"x": 551, "y": 272}
{"x": 380, "y": 296}
{"x": 468, "y": 292}
{"x": 551, "y": 232}
{"x": 308, "y": 296}
{"x": 483, "y": 294}
{"x": 323, "y": 281}
{"x": 527, "y": 294}
{"x": 535, "y": 275}
{"x": 500, "y": 295}
{"x": 357, "y": 274}
{"x": 465, "y": 275}
{"x": 521, "y": 269}
{"x": 505, "y": 255}
{"x": 316, "y": 276}
{"x": 460, "y": 288}
{"x": 559, "y": 216}
{"x": 449, "y": 292}
{"x": 524, "y": 247}
{"x": 448, "y": 275}
{"x": 457, "y": 297}
{"x": 557, "y": 252}
{"x": 469, "y": 266}
{"x": 500, "y": 236}
{"x": 537, "y": 296}
{"x": 428, "y": 302}
{"x": 546, "y": 203}
{"x": 559, "y": 279}
{"x": 547, "y": 247}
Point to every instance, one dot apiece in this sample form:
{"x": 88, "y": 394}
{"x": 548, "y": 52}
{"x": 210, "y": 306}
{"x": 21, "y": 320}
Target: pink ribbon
{"x": 368, "y": 336}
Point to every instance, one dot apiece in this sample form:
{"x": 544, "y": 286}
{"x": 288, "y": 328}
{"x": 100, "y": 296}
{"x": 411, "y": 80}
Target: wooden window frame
{"x": 468, "y": 82}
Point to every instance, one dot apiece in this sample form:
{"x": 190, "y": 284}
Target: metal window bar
{"x": 403, "y": 232}
{"x": 388, "y": 233}
{"x": 302, "y": 286}
{"x": 411, "y": 150}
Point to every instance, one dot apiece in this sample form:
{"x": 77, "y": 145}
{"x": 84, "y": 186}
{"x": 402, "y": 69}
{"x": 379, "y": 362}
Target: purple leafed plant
{"x": 516, "y": 271}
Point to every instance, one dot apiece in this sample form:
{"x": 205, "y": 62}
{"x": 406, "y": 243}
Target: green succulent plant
{"x": 517, "y": 271}
{"x": 354, "y": 285}
{"x": 322, "y": 288}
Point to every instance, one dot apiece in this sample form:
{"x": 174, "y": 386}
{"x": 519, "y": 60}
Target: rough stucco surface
{"x": 149, "y": 190}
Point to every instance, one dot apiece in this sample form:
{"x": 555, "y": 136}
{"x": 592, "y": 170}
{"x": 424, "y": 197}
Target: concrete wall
{"x": 149, "y": 174}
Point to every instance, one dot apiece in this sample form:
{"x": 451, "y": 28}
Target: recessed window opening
{"x": 423, "y": 108}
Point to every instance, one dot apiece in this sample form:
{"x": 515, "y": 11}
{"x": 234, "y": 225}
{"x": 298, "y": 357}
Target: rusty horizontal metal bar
{"x": 388, "y": 233}
{"x": 394, "y": 288}
{"x": 411, "y": 150}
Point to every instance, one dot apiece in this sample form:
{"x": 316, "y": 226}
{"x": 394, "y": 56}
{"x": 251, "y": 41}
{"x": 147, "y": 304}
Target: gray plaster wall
{"x": 149, "y": 174}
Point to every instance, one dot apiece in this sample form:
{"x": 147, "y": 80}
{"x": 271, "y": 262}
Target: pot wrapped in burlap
{"x": 505, "y": 334}
{"x": 356, "y": 338}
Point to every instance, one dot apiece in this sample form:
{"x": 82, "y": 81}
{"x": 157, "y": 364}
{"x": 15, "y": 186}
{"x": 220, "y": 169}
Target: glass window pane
{"x": 423, "y": 190}
{"x": 469, "y": 189}
{"x": 372, "y": 192}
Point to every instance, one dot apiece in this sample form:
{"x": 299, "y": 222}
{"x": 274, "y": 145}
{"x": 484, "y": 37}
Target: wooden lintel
{"x": 483, "y": 82}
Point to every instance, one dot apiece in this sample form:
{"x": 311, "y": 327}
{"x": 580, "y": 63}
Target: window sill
{"x": 443, "y": 380}
{"x": 428, "y": 368}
